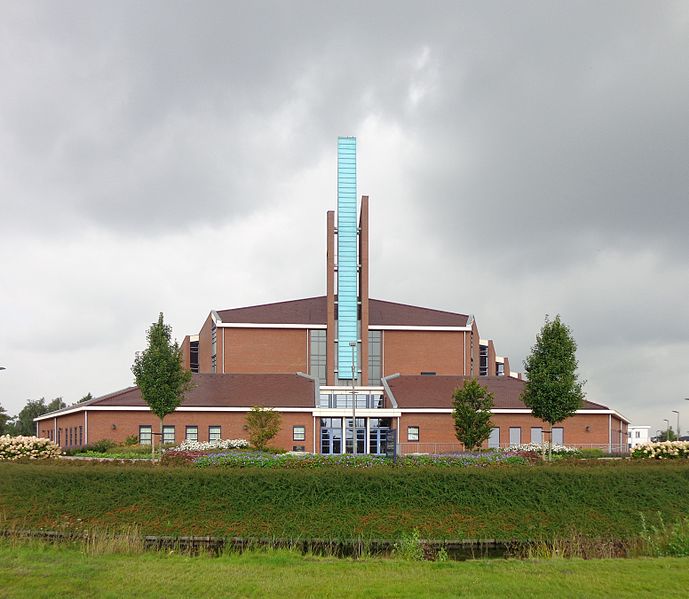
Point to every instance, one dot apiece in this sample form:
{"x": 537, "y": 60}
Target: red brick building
{"x": 306, "y": 358}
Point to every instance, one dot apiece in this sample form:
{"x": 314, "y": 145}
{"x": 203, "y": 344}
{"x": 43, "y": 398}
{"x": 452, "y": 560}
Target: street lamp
{"x": 667, "y": 429}
{"x": 352, "y": 344}
{"x": 677, "y": 431}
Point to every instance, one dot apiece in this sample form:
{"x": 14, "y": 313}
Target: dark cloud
{"x": 537, "y": 151}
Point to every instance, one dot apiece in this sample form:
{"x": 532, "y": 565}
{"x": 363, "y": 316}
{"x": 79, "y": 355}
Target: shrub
{"x": 101, "y": 446}
{"x": 131, "y": 440}
{"x": 665, "y": 540}
{"x": 664, "y": 450}
{"x": 33, "y": 448}
{"x": 537, "y": 448}
{"x": 591, "y": 453}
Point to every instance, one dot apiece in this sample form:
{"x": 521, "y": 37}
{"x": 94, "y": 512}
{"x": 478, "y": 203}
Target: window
{"x": 536, "y": 434}
{"x": 169, "y": 433}
{"x": 194, "y": 356}
{"x": 298, "y": 447}
{"x": 494, "y": 439}
{"x": 483, "y": 360}
{"x": 298, "y": 433}
{"x": 515, "y": 435}
{"x": 191, "y": 433}
{"x": 499, "y": 369}
{"x": 214, "y": 433}
{"x": 375, "y": 357}
{"x": 59, "y": 435}
{"x": 214, "y": 347}
{"x": 558, "y": 436}
{"x": 81, "y": 435}
{"x": 145, "y": 434}
{"x": 317, "y": 354}
{"x": 70, "y": 436}
{"x": 638, "y": 434}
{"x": 412, "y": 433}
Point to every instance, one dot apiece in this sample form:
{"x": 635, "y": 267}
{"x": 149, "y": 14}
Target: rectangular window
{"x": 483, "y": 360}
{"x": 191, "y": 432}
{"x": 169, "y": 433}
{"x": 214, "y": 433}
{"x": 494, "y": 439}
{"x": 536, "y": 434}
{"x": 194, "y": 356}
{"x": 558, "y": 436}
{"x": 638, "y": 434}
{"x": 499, "y": 369}
{"x": 515, "y": 435}
{"x": 81, "y": 435}
{"x": 145, "y": 434}
{"x": 298, "y": 433}
{"x": 317, "y": 354}
{"x": 214, "y": 347}
{"x": 59, "y": 436}
{"x": 70, "y": 436}
{"x": 412, "y": 433}
{"x": 375, "y": 357}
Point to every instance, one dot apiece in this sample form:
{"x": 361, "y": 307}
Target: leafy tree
{"x": 23, "y": 423}
{"x": 87, "y": 397}
{"x": 158, "y": 371}
{"x": 471, "y": 406}
{"x": 667, "y": 435}
{"x": 4, "y": 419}
{"x": 262, "y": 424}
{"x": 552, "y": 390}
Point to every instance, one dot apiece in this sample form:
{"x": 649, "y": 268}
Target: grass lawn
{"x": 39, "y": 570}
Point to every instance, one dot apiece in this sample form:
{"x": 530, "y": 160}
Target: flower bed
{"x": 300, "y": 460}
{"x": 663, "y": 450}
{"x": 210, "y": 445}
{"x": 537, "y": 448}
{"x": 33, "y": 448}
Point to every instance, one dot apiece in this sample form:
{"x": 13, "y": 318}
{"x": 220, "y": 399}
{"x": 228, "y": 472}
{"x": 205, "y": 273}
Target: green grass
{"x": 518, "y": 502}
{"x": 38, "y": 570}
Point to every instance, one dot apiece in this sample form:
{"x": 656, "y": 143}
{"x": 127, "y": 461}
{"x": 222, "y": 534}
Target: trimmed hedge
{"x": 521, "y": 502}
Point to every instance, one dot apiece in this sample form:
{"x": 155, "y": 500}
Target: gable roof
{"x": 313, "y": 310}
{"x": 436, "y": 391}
{"x": 219, "y": 391}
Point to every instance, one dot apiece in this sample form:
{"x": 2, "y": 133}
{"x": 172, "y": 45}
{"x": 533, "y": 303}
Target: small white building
{"x": 638, "y": 435}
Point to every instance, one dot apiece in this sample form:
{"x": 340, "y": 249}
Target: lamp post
{"x": 677, "y": 431}
{"x": 352, "y": 344}
{"x": 667, "y": 429}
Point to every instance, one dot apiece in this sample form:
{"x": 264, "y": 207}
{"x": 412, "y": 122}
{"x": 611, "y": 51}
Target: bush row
{"x": 663, "y": 450}
{"x": 33, "y": 448}
{"x": 545, "y": 502}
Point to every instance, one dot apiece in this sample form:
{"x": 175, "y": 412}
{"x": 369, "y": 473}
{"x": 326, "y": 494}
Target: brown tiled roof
{"x": 312, "y": 310}
{"x": 391, "y": 313}
{"x": 436, "y": 391}
{"x": 226, "y": 390}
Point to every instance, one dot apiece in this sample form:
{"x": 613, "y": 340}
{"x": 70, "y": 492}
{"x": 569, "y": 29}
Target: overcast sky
{"x": 522, "y": 159}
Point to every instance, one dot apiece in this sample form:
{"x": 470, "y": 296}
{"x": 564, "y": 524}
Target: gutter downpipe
{"x": 609, "y": 433}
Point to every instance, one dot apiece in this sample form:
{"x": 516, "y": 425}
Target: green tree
{"x": 262, "y": 424}
{"x": 667, "y": 435}
{"x": 158, "y": 371}
{"x": 4, "y": 419}
{"x": 471, "y": 406}
{"x": 23, "y": 423}
{"x": 552, "y": 389}
{"x": 87, "y": 397}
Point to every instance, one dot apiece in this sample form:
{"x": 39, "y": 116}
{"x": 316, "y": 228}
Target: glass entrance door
{"x": 331, "y": 435}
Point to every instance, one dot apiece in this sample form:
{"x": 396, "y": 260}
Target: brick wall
{"x": 413, "y": 352}
{"x": 265, "y": 350}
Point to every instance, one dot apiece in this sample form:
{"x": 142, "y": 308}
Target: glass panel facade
{"x": 317, "y": 354}
{"x": 483, "y": 365}
{"x": 375, "y": 355}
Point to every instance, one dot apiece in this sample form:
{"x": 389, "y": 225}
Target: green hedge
{"x": 521, "y": 502}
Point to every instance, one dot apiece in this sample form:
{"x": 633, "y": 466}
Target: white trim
{"x": 268, "y": 325}
{"x": 360, "y": 413}
{"x": 402, "y": 327}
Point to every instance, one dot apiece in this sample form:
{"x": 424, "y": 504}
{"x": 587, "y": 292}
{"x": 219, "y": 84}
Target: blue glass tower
{"x": 347, "y": 288}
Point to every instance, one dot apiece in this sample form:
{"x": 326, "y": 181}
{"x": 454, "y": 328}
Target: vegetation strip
{"x": 540, "y": 502}
{"x": 40, "y": 571}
